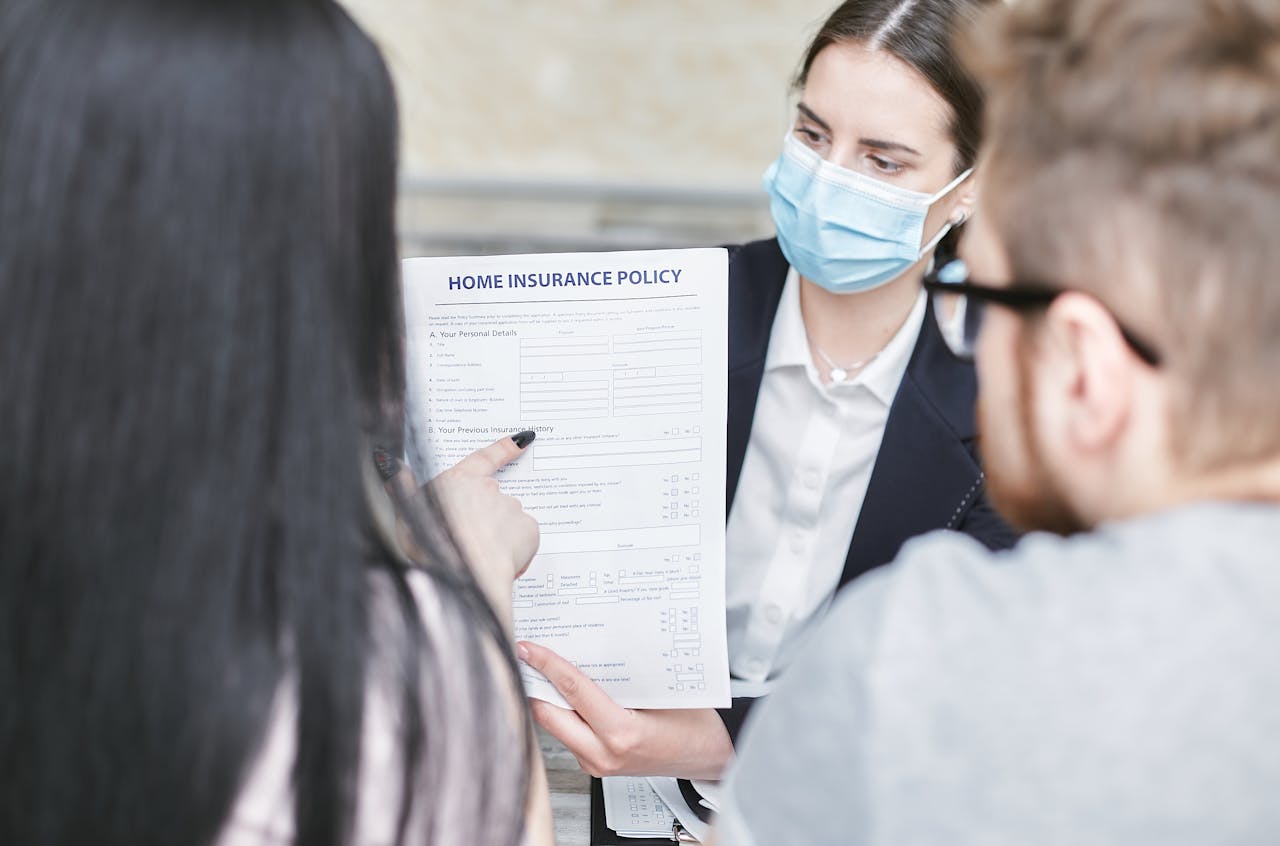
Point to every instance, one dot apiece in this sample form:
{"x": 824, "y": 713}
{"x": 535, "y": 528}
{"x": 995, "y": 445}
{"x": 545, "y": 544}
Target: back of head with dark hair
{"x": 199, "y": 323}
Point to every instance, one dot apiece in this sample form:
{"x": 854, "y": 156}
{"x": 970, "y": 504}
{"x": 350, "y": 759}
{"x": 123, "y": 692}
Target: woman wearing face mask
{"x": 851, "y": 429}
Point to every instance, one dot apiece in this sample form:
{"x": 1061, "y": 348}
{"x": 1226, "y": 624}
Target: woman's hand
{"x": 608, "y": 739}
{"x": 496, "y": 535}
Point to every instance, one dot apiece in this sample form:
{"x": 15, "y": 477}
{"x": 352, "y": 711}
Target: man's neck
{"x": 1258, "y": 483}
{"x": 1252, "y": 482}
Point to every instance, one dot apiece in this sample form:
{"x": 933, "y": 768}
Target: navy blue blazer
{"x": 927, "y": 474}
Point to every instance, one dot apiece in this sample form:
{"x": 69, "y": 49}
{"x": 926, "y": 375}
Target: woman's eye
{"x": 883, "y": 165}
{"x": 809, "y": 136}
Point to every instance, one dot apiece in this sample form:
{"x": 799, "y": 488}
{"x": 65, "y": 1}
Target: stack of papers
{"x": 649, "y": 807}
{"x": 633, "y": 809}
{"x": 710, "y": 793}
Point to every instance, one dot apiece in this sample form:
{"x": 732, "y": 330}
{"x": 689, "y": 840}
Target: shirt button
{"x": 773, "y": 614}
{"x": 812, "y": 479}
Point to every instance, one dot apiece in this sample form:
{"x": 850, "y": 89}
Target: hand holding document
{"x": 618, "y": 362}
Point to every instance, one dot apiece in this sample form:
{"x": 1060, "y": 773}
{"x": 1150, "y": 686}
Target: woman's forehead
{"x": 872, "y": 92}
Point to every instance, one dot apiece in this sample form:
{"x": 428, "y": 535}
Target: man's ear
{"x": 1092, "y": 368}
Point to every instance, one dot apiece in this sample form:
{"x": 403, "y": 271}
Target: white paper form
{"x": 618, "y": 361}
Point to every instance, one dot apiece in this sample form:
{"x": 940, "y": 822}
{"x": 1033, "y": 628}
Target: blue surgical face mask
{"x": 842, "y": 230}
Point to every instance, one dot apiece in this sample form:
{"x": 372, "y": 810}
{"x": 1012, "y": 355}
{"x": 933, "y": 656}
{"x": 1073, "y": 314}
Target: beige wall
{"x": 686, "y": 93}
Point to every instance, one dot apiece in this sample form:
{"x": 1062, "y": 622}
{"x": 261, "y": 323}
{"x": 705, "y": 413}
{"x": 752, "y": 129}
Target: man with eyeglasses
{"x": 1115, "y": 678}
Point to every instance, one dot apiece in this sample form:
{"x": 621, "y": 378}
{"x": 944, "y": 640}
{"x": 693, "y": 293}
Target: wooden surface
{"x": 570, "y": 793}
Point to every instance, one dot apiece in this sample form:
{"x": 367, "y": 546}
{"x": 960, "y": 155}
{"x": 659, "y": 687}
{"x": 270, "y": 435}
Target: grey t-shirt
{"x": 1121, "y": 687}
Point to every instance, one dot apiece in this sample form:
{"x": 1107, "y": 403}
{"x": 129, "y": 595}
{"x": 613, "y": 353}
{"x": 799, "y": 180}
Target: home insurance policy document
{"x": 619, "y": 362}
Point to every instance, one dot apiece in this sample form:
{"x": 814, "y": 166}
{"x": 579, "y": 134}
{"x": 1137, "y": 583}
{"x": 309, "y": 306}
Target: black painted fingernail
{"x": 523, "y": 439}
{"x": 388, "y": 465}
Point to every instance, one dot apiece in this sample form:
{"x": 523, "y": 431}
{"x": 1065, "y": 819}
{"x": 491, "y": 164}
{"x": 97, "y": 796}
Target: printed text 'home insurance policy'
{"x": 618, "y": 362}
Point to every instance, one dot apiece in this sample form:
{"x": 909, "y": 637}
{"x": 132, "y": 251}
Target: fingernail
{"x": 387, "y": 464}
{"x": 523, "y": 439}
{"x": 523, "y": 652}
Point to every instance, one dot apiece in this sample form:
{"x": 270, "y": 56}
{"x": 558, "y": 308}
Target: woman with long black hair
{"x": 206, "y": 633}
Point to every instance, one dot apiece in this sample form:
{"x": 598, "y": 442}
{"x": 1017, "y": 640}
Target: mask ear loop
{"x": 936, "y": 239}
{"x": 951, "y": 186}
{"x": 949, "y": 225}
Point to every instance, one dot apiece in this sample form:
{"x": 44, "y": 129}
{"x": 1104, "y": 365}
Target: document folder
{"x": 603, "y": 835}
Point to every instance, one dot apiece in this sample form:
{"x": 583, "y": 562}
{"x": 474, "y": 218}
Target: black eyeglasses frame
{"x": 1030, "y": 296}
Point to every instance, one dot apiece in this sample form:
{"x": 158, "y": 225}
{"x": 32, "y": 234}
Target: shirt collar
{"x": 789, "y": 347}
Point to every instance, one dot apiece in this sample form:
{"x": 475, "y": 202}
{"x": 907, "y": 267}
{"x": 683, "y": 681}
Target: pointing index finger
{"x": 490, "y": 459}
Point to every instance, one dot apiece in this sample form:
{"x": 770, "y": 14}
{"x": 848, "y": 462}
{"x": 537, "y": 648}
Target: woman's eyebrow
{"x": 813, "y": 116}
{"x": 865, "y": 142}
{"x": 888, "y": 145}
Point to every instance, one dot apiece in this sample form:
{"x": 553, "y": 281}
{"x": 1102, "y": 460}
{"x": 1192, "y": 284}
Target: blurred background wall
{"x": 587, "y": 124}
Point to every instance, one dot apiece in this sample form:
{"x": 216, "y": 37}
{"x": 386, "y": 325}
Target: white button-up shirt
{"x": 804, "y": 477}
